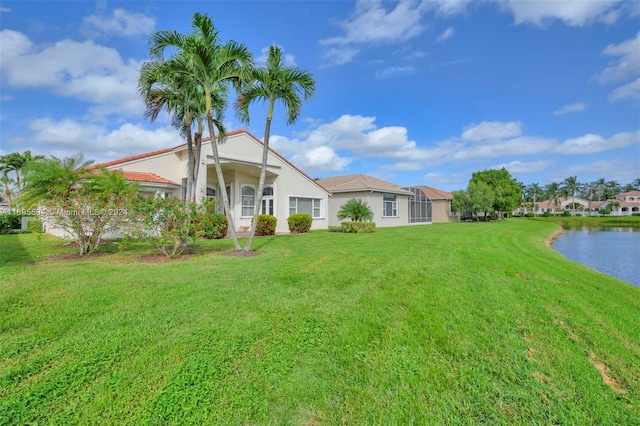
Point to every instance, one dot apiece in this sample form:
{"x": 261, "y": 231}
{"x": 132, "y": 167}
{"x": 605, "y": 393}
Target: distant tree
{"x": 482, "y": 198}
{"x": 534, "y": 190}
{"x": 461, "y": 204}
{"x": 571, "y": 186}
{"x": 356, "y": 210}
{"x": 553, "y": 192}
{"x": 505, "y": 189}
{"x": 636, "y": 184}
{"x": 611, "y": 189}
{"x": 615, "y": 205}
{"x": 6, "y": 182}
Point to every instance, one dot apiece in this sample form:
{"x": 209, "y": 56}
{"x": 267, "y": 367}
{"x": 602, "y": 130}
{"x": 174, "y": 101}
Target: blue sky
{"x": 411, "y": 92}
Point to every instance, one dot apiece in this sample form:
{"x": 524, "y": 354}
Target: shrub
{"x": 530, "y": 214}
{"x": 356, "y": 210}
{"x": 206, "y": 222}
{"x": 299, "y": 223}
{"x": 578, "y": 214}
{"x": 566, "y": 213}
{"x": 546, "y": 214}
{"x": 358, "y": 227}
{"x": 164, "y": 222}
{"x": 35, "y": 226}
{"x": 9, "y": 221}
{"x": 635, "y": 214}
{"x": 266, "y": 225}
{"x": 605, "y": 212}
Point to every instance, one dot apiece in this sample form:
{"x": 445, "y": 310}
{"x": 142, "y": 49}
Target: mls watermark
{"x": 43, "y": 211}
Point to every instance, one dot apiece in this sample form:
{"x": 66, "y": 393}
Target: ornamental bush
{"x": 605, "y": 212}
{"x": 9, "y": 221}
{"x": 358, "y": 227}
{"x": 546, "y": 214}
{"x": 34, "y": 226}
{"x": 266, "y": 225}
{"x": 206, "y": 223}
{"x": 164, "y": 222}
{"x": 530, "y": 214}
{"x": 566, "y": 213}
{"x": 299, "y": 223}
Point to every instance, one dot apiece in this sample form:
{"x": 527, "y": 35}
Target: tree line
{"x": 495, "y": 193}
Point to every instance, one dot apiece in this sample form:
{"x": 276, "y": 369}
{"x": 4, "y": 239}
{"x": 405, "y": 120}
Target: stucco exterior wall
{"x": 374, "y": 199}
{"x": 440, "y": 212}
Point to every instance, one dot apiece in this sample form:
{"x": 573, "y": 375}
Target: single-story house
{"x": 392, "y": 205}
{"x": 441, "y": 211}
{"x": 288, "y": 190}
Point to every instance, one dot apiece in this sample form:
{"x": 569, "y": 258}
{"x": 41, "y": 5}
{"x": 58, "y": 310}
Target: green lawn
{"x": 461, "y": 323}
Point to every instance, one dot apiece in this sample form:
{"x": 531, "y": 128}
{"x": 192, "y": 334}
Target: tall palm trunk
{"x": 263, "y": 175}
{"x": 216, "y": 158}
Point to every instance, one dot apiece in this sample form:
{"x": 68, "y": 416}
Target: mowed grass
{"x": 444, "y": 324}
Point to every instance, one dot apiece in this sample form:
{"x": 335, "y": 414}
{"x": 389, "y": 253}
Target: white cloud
{"x": 287, "y": 58}
{"x": 577, "y": 107}
{"x": 626, "y": 65}
{"x": 621, "y": 170}
{"x": 447, "y": 34}
{"x": 590, "y": 143}
{"x": 5, "y": 9}
{"x": 576, "y": 13}
{"x": 82, "y": 70}
{"x": 491, "y": 130}
{"x": 69, "y": 136}
{"x": 388, "y": 72}
{"x": 629, "y": 90}
{"x": 370, "y": 22}
{"x": 332, "y": 146}
{"x": 120, "y": 23}
{"x": 524, "y": 167}
{"x": 6, "y": 98}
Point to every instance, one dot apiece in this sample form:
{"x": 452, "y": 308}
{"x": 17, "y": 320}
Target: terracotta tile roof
{"x": 629, "y": 194}
{"x": 435, "y": 194}
{"x": 146, "y": 177}
{"x": 360, "y": 182}
{"x": 110, "y": 164}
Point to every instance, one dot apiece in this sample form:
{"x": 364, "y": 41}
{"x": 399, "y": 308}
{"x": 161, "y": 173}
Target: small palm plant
{"x": 356, "y": 210}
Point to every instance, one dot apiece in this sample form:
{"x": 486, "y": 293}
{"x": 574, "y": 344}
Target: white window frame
{"x": 242, "y": 200}
{"x": 317, "y": 204}
{"x": 393, "y": 205}
{"x": 273, "y": 198}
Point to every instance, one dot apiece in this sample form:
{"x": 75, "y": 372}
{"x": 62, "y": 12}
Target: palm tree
{"x": 636, "y": 184}
{"x": 54, "y": 178}
{"x": 356, "y": 210}
{"x": 571, "y": 186}
{"x": 208, "y": 63}
{"x": 534, "y": 189}
{"x": 271, "y": 84}
{"x": 6, "y": 181}
{"x": 553, "y": 189}
{"x": 612, "y": 188}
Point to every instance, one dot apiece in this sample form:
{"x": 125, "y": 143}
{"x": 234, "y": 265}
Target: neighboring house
{"x": 629, "y": 204}
{"x": 287, "y": 189}
{"x": 388, "y": 202}
{"x": 392, "y": 205}
{"x": 440, "y": 204}
{"x": 564, "y": 204}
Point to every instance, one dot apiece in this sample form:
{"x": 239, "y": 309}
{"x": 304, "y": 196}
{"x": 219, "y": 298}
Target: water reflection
{"x": 613, "y": 250}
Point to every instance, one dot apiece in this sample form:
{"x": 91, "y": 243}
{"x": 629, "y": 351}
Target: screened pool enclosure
{"x": 420, "y": 208}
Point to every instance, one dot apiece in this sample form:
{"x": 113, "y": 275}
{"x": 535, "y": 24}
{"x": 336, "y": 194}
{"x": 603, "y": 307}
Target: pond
{"x": 612, "y": 250}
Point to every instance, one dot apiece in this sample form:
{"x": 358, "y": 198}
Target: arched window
{"x": 248, "y": 200}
